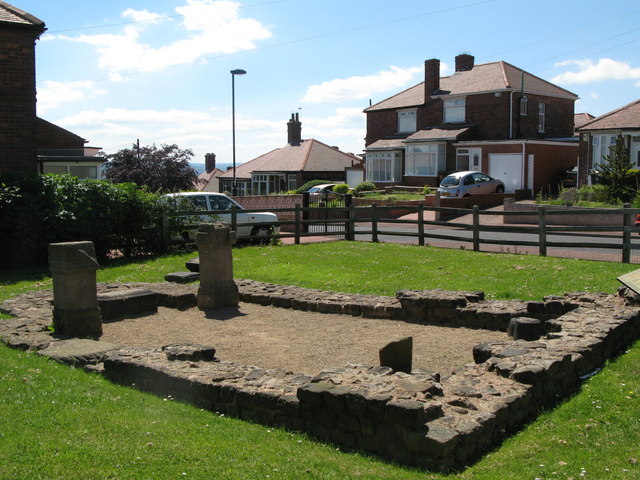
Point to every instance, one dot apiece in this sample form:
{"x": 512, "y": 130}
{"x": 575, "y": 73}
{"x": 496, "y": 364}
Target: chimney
{"x": 464, "y": 62}
{"x": 209, "y": 162}
{"x": 294, "y": 130}
{"x": 431, "y": 78}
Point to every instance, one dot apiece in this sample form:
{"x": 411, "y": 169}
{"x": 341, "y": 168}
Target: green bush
{"x": 36, "y": 210}
{"x": 594, "y": 193}
{"x": 309, "y": 184}
{"x": 427, "y": 190}
{"x": 365, "y": 187}
{"x": 341, "y": 188}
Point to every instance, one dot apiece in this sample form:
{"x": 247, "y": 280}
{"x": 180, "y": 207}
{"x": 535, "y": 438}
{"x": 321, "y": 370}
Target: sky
{"x": 158, "y": 71}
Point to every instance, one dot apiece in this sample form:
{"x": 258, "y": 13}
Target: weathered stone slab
{"x": 182, "y": 277}
{"x": 193, "y": 265}
{"x": 77, "y": 351}
{"x": 398, "y": 355}
{"x": 127, "y": 303}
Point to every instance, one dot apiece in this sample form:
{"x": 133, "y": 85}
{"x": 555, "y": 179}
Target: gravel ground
{"x": 305, "y": 342}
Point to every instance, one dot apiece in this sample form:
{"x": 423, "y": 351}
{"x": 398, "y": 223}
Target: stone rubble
{"x": 437, "y": 422}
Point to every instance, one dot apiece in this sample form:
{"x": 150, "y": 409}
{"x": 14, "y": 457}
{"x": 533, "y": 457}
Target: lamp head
{"x": 238, "y": 71}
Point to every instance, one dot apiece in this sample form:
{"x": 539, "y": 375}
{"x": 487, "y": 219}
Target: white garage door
{"x": 508, "y": 168}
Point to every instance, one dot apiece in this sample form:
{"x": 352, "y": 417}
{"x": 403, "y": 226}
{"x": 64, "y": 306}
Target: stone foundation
{"x": 439, "y": 422}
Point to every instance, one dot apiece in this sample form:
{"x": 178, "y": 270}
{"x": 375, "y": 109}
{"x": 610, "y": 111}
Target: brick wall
{"x": 18, "y": 151}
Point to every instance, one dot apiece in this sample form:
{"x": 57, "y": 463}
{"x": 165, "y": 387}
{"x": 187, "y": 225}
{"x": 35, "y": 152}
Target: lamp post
{"x": 237, "y": 71}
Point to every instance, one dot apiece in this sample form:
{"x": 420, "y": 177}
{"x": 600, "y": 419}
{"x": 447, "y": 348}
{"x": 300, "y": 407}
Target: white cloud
{"x": 53, "y": 94}
{"x": 358, "y": 87}
{"x": 589, "y": 71}
{"x": 208, "y": 27}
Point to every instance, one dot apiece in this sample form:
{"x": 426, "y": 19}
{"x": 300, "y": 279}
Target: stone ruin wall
{"x": 440, "y": 422}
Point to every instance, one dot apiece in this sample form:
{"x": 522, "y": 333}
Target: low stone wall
{"x": 441, "y": 422}
{"x": 613, "y": 219}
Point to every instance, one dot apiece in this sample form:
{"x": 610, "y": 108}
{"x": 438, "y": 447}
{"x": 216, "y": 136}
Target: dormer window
{"x": 407, "y": 121}
{"x": 454, "y": 110}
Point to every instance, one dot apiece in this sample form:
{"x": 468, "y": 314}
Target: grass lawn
{"x": 61, "y": 423}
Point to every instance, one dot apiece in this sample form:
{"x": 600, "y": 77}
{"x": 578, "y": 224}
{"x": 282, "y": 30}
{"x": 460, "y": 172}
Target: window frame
{"x": 384, "y": 166}
{"x": 411, "y": 117}
{"x": 542, "y": 117}
{"x": 430, "y": 156}
{"x": 456, "y": 108}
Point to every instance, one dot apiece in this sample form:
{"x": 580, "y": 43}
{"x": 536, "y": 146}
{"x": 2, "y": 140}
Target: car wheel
{"x": 261, "y": 234}
{"x": 500, "y": 189}
{"x": 466, "y": 195}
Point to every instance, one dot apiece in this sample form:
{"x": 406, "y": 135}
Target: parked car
{"x": 321, "y": 189}
{"x": 463, "y": 184}
{"x": 217, "y": 203}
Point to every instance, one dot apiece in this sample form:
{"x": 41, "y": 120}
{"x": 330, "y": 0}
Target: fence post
{"x": 351, "y": 218}
{"x": 421, "y": 225}
{"x": 626, "y": 235}
{"x": 476, "y": 228}
{"x": 542, "y": 223}
{"x": 374, "y": 223}
{"x": 297, "y": 224}
{"x": 305, "y": 209}
{"x": 164, "y": 227}
{"x": 234, "y": 219}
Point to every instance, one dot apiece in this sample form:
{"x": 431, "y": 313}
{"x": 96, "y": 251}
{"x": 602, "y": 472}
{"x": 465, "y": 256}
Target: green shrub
{"x": 594, "y": 193}
{"x": 365, "y": 187}
{"x": 309, "y": 184}
{"x": 569, "y": 196}
{"x": 342, "y": 188}
{"x": 427, "y": 190}
{"x": 36, "y": 210}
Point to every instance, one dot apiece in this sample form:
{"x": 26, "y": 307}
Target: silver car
{"x": 463, "y": 184}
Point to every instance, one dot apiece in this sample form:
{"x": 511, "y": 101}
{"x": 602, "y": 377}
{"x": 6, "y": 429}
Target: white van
{"x": 219, "y": 202}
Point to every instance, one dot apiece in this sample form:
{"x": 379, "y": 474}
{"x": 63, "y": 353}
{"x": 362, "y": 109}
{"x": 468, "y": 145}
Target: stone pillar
{"x": 73, "y": 267}
{"x": 217, "y": 288}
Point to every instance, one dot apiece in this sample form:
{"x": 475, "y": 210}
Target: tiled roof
{"x": 579, "y": 119}
{"x": 623, "y": 118}
{"x": 436, "y": 134}
{"x": 310, "y": 156}
{"x": 386, "y": 144}
{"x": 487, "y": 77}
{"x": 11, "y": 14}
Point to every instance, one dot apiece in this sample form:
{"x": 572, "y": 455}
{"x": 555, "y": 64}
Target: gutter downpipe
{"x": 525, "y": 162}
{"x": 511, "y": 114}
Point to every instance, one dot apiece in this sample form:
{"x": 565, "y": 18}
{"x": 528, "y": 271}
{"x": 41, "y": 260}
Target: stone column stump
{"x": 73, "y": 267}
{"x": 217, "y": 288}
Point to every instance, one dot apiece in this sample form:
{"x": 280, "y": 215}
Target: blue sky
{"x": 158, "y": 70}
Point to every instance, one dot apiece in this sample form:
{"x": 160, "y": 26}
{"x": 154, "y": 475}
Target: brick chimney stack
{"x": 431, "y": 77}
{"x": 209, "y": 162}
{"x": 464, "y": 62}
{"x": 294, "y": 130}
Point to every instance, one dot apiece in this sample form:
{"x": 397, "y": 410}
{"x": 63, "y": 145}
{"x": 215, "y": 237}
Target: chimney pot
{"x": 294, "y": 130}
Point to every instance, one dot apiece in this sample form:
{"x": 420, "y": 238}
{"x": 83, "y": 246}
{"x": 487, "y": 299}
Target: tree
{"x": 164, "y": 169}
{"x": 616, "y": 171}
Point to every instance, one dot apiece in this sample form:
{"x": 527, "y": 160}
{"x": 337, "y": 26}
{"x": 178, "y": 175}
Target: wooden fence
{"x": 471, "y": 228}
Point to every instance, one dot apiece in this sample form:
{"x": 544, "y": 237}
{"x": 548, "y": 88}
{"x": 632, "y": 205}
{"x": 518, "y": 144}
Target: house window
{"x": 634, "y": 151}
{"x": 601, "y": 147}
{"x": 524, "y": 105}
{"x": 407, "y": 121}
{"x": 292, "y": 183}
{"x": 454, "y": 110}
{"x": 384, "y": 166}
{"x": 468, "y": 159}
{"x": 541, "y": 117}
{"x": 267, "y": 184}
{"x": 425, "y": 160}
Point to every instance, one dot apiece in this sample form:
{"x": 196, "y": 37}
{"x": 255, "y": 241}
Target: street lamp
{"x": 237, "y": 71}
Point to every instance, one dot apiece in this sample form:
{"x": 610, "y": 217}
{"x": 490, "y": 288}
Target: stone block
{"x": 193, "y": 265}
{"x": 127, "y": 303}
{"x": 525, "y": 328}
{"x": 398, "y": 355}
{"x": 77, "y": 352}
{"x": 189, "y": 352}
{"x": 182, "y": 277}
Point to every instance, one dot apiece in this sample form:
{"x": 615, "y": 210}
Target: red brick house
{"x": 291, "y": 166}
{"x": 18, "y": 34}
{"x": 28, "y": 143}
{"x": 601, "y": 133}
{"x": 492, "y": 117}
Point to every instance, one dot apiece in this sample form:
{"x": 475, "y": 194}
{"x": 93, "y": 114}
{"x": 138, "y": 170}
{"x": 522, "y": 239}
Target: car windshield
{"x": 450, "y": 181}
{"x": 313, "y": 189}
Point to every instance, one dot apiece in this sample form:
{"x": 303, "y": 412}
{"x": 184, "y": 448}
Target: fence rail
{"x": 477, "y": 229}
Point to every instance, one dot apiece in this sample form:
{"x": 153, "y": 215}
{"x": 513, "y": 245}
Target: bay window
{"x": 384, "y": 166}
{"x": 425, "y": 160}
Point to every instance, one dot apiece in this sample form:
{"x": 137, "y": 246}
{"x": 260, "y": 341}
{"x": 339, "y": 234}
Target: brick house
{"x": 291, "y": 166}
{"x": 27, "y": 143}
{"x": 599, "y": 134}
{"x": 18, "y": 34}
{"x": 492, "y": 117}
